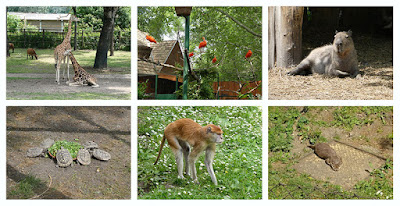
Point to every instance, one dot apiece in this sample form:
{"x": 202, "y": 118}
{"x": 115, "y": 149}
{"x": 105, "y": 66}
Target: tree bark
{"x": 8, "y": 46}
{"x": 105, "y": 37}
{"x": 112, "y": 40}
{"x": 288, "y": 35}
{"x": 271, "y": 37}
{"x": 75, "y": 23}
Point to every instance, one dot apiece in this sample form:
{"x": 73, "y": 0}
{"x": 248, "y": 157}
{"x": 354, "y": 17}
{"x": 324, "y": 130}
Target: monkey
{"x": 186, "y": 133}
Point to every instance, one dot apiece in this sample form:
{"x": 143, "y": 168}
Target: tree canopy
{"x": 229, "y": 31}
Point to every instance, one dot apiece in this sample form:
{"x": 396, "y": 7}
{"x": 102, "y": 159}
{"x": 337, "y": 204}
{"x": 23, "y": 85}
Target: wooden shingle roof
{"x": 161, "y": 53}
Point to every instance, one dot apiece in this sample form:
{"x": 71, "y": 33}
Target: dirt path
{"x": 23, "y": 86}
{"x": 108, "y": 126}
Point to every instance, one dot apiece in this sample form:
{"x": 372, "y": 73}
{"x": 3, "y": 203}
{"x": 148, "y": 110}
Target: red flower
{"x": 191, "y": 54}
{"x": 214, "y": 60}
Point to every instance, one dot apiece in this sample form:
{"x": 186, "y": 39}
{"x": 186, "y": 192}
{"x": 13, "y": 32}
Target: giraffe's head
{"x": 67, "y": 52}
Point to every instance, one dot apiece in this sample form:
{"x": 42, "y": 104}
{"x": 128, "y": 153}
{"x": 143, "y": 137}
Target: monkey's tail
{"x": 161, "y": 147}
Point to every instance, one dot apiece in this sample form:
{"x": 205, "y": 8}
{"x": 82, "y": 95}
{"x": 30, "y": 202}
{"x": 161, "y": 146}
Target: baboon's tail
{"x": 161, "y": 147}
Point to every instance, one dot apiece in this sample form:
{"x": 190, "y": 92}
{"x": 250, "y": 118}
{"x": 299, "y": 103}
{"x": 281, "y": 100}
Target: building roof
{"x": 39, "y": 16}
{"x": 160, "y": 53}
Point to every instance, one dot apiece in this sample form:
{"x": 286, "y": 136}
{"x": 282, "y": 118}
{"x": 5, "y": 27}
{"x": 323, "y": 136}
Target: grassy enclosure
{"x": 237, "y": 163}
{"x": 291, "y": 129}
{"x": 35, "y": 79}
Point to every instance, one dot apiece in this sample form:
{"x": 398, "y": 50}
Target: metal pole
{"x": 186, "y": 63}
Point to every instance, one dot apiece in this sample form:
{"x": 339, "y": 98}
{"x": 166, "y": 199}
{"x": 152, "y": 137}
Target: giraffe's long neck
{"x": 74, "y": 62}
{"x": 67, "y": 38}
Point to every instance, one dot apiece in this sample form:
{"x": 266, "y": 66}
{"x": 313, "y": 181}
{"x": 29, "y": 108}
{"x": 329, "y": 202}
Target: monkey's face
{"x": 218, "y": 138}
{"x": 215, "y": 133}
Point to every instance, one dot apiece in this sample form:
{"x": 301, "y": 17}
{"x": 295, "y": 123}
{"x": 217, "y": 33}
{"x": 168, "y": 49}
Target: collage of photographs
{"x": 164, "y": 100}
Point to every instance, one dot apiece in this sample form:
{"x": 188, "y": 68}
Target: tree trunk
{"x": 271, "y": 37}
{"x": 75, "y": 23}
{"x": 112, "y": 41}
{"x": 288, "y": 35}
{"x": 105, "y": 37}
{"x": 8, "y": 47}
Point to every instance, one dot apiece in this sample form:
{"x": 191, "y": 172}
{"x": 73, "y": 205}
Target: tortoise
{"x": 35, "y": 152}
{"x": 64, "y": 158}
{"x": 47, "y": 143}
{"x": 89, "y": 145}
{"x": 83, "y": 157}
{"x": 101, "y": 155}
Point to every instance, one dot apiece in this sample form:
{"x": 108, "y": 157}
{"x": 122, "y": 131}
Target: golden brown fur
{"x": 31, "y": 52}
{"x": 185, "y": 133}
{"x": 11, "y": 46}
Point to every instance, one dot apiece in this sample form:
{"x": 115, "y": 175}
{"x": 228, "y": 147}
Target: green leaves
{"x": 72, "y": 147}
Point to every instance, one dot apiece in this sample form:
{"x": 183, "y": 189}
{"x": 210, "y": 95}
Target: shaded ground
{"x": 43, "y": 86}
{"x": 375, "y": 56}
{"x": 108, "y": 126}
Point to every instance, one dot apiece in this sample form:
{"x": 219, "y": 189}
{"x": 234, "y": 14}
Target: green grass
{"x": 18, "y": 63}
{"x": 25, "y": 188}
{"x": 69, "y": 96}
{"x": 285, "y": 183}
{"x": 237, "y": 164}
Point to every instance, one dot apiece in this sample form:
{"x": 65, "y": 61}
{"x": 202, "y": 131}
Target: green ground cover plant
{"x": 237, "y": 163}
{"x": 284, "y": 182}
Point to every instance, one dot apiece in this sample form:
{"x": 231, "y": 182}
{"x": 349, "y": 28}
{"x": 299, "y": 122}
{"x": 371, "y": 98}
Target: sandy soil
{"x": 45, "y": 83}
{"x": 375, "y": 57}
{"x": 370, "y": 139}
{"x": 108, "y": 126}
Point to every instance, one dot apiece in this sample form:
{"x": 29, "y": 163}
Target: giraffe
{"x": 81, "y": 77}
{"x": 61, "y": 52}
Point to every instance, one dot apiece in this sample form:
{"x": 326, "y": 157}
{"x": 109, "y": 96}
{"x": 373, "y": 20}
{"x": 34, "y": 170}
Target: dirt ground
{"x": 371, "y": 141}
{"x": 109, "y": 127}
{"x": 115, "y": 84}
{"x": 375, "y": 56}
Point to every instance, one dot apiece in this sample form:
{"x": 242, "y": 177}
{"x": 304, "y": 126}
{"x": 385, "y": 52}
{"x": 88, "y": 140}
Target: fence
{"x": 227, "y": 89}
{"x": 85, "y": 39}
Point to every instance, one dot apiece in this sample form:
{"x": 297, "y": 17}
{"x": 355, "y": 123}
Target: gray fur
{"x": 325, "y": 152}
{"x": 338, "y": 59}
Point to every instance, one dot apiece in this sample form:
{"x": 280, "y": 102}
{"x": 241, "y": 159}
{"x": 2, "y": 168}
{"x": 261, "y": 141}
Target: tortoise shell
{"x": 34, "y": 152}
{"x": 84, "y": 157}
{"x": 64, "y": 158}
{"x": 101, "y": 155}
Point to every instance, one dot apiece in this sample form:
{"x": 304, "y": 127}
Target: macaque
{"x": 185, "y": 133}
